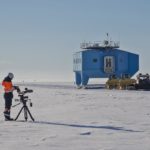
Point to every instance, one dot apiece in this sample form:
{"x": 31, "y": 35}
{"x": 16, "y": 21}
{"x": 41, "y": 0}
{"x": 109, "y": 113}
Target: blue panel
{"x": 91, "y": 60}
{"x": 134, "y": 63}
{"x": 122, "y": 62}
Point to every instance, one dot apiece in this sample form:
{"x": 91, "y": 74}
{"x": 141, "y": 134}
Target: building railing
{"x": 99, "y": 44}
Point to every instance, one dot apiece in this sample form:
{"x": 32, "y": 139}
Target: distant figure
{"x": 8, "y": 95}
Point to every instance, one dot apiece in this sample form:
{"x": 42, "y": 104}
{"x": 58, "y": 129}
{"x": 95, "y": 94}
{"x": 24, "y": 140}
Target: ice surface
{"x": 67, "y": 118}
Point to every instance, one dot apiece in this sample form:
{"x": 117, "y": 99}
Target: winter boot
{"x": 7, "y": 116}
{"x": 10, "y": 119}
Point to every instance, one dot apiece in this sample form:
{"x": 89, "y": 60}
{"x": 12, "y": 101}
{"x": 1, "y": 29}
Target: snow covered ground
{"x": 67, "y": 118}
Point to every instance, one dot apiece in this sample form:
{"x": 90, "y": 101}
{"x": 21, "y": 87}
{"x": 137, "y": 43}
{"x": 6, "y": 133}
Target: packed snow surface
{"x": 67, "y": 118}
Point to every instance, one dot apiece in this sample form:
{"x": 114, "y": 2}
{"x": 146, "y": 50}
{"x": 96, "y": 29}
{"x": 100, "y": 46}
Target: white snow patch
{"x": 67, "y": 118}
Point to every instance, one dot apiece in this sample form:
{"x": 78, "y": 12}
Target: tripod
{"x": 23, "y": 99}
{"x": 26, "y": 111}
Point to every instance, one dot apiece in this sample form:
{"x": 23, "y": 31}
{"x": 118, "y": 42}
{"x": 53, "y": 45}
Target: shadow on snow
{"x": 86, "y": 126}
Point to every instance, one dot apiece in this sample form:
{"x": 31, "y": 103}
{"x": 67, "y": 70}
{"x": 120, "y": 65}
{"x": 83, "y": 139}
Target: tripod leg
{"x": 25, "y": 113}
{"x": 30, "y": 113}
{"x": 19, "y": 113}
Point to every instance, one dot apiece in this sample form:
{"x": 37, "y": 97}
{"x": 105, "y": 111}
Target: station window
{"x": 77, "y": 61}
{"x": 95, "y": 60}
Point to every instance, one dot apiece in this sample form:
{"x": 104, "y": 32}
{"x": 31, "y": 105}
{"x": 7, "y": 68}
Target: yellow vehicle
{"x": 112, "y": 82}
{"x": 124, "y": 83}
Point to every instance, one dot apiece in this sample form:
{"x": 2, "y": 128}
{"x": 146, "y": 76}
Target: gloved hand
{"x": 17, "y": 88}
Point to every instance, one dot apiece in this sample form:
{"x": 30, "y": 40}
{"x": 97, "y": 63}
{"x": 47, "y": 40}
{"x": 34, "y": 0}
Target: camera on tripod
{"x": 24, "y": 99}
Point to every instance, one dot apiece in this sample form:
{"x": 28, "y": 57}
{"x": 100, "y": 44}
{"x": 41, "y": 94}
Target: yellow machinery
{"x": 112, "y": 84}
{"x": 124, "y": 83}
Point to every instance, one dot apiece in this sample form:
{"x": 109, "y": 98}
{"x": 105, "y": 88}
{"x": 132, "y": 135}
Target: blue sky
{"x": 39, "y": 37}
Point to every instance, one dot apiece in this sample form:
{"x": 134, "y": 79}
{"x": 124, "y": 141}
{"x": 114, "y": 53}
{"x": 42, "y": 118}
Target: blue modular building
{"x": 100, "y": 60}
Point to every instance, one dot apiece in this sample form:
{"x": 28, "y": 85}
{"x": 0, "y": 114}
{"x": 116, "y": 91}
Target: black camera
{"x": 24, "y": 92}
{"x": 24, "y": 98}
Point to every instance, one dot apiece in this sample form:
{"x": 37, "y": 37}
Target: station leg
{"x": 78, "y": 79}
{"x": 85, "y": 80}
